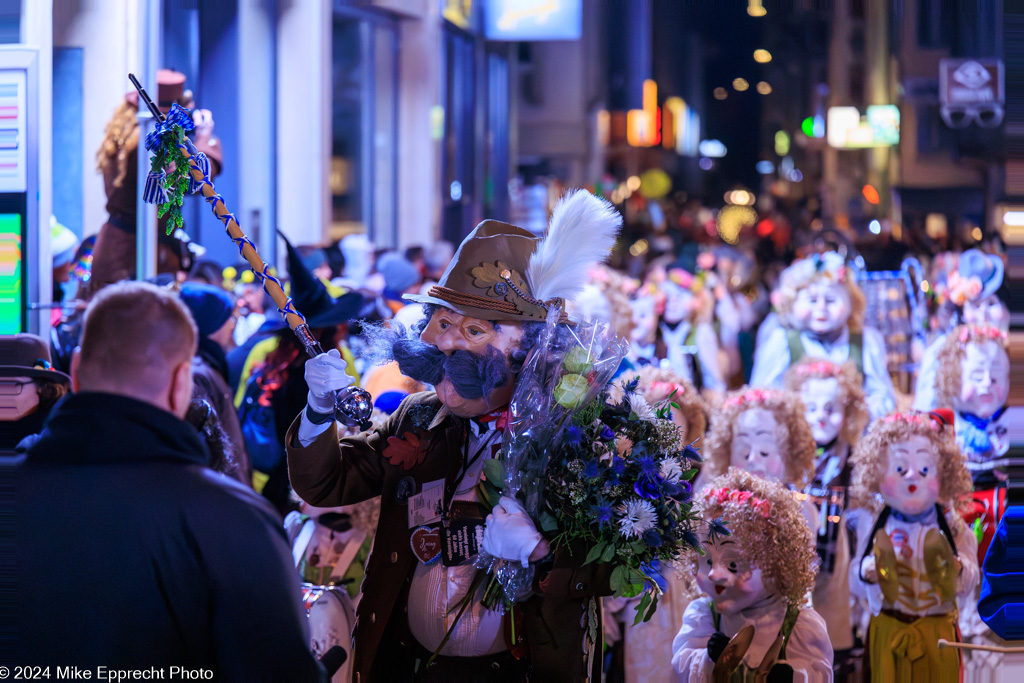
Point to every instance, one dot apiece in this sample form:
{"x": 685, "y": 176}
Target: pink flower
{"x": 763, "y": 506}
{"x": 706, "y": 260}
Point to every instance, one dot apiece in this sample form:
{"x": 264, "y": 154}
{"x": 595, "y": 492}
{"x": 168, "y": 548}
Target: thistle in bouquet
{"x": 619, "y": 486}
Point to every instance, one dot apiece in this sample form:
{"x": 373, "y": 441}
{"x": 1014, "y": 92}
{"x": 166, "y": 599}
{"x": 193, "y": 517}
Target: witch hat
{"x": 310, "y": 297}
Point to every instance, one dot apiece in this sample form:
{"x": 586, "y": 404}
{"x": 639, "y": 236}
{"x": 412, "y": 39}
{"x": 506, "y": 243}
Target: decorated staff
{"x": 177, "y": 168}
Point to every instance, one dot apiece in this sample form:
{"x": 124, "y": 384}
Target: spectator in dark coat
{"x": 213, "y": 310}
{"x": 153, "y": 559}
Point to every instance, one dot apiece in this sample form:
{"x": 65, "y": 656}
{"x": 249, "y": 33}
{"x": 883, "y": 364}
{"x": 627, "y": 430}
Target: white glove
{"x": 203, "y": 120}
{"x": 325, "y": 374}
{"x": 510, "y": 534}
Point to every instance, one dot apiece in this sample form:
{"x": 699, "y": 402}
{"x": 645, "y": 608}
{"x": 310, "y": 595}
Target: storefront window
{"x": 363, "y": 125}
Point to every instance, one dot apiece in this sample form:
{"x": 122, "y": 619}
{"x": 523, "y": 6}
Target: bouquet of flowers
{"x": 613, "y": 479}
{"x": 619, "y": 484}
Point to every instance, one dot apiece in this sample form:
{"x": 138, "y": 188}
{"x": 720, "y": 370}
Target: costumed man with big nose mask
{"x": 426, "y": 459}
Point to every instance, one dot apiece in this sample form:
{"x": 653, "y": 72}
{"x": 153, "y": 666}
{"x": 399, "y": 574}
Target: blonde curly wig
{"x": 769, "y": 525}
{"x": 794, "y": 434}
{"x": 805, "y": 272}
{"x": 120, "y": 139}
{"x": 656, "y": 384}
{"x": 870, "y": 458}
{"x": 948, "y": 379}
{"x": 851, "y": 391}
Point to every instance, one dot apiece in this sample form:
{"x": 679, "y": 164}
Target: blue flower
{"x": 692, "y": 453}
{"x": 717, "y": 528}
{"x": 591, "y": 471}
{"x": 602, "y": 512}
{"x": 607, "y": 434}
{"x": 618, "y": 465}
{"x": 647, "y": 488}
{"x": 682, "y": 491}
{"x": 572, "y": 434}
{"x": 652, "y": 538}
{"x": 649, "y": 467}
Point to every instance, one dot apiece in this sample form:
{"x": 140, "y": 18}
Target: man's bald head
{"x": 138, "y": 341}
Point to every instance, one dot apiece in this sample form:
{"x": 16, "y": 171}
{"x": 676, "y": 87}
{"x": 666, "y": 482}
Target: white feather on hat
{"x": 582, "y": 232}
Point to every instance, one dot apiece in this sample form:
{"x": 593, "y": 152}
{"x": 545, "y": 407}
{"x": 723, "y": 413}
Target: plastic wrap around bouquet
{"x": 609, "y": 481}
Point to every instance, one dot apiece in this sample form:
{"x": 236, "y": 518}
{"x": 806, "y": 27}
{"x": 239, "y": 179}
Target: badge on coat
{"x": 426, "y": 543}
{"x": 425, "y": 506}
{"x": 405, "y": 490}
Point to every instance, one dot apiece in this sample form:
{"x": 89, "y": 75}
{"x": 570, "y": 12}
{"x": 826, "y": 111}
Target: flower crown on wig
{"x": 819, "y": 367}
{"x": 725, "y": 495}
{"x": 977, "y": 333}
{"x": 937, "y": 420}
{"x": 750, "y": 397}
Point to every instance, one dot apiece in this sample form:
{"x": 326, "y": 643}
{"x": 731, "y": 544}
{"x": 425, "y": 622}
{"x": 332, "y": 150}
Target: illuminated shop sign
{"x": 847, "y": 129}
{"x": 529, "y": 20}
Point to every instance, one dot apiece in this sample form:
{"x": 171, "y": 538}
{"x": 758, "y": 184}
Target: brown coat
{"x": 329, "y": 473}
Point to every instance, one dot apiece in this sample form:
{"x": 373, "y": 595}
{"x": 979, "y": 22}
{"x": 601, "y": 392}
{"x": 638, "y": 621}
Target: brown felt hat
{"x": 486, "y": 277}
{"x": 27, "y": 355}
{"x": 170, "y": 87}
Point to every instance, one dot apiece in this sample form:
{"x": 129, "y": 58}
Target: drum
{"x": 331, "y": 618}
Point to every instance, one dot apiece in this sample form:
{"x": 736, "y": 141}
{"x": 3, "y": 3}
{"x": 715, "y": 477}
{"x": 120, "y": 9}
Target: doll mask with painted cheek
{"x": 822, "y": 409}
{"x": 822, "y": 308}
{"x": 728, "y": 578}
{"x": 911, "y": 482}
{"x": 475, "y": 353}
{"x": 984, "y": 379}
{"x": 645, "y": 320}
{"x": 678, "y": 302}
{"x": 987, "y": 311}
{"x": 755, "y": 444}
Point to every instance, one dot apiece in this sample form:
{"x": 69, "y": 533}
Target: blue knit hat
{"x": 210, "y": 306}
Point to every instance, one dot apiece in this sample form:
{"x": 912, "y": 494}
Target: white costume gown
{"x": 809, "y": 651}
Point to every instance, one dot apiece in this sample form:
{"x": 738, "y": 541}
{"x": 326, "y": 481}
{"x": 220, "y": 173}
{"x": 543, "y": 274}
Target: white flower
{"x": 639, "y": 405}
{"x": 671, "y": 469}
{"x": 635, "y": 517}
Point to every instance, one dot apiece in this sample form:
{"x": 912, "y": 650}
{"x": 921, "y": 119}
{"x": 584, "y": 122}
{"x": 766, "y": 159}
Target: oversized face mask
{"x": 19, "y": 396}
{"x": 822, "y": 408}
{"x": 822, "y": 307}
{"x": 470, "y": 366}
{"x": 987, "y": 311}
{"x": 911, "y": 481}
{"x": 999, "y": 434}
{"x": 645, "y": 320}
{"x": 728, "y": 578}
{"x": 678, "y": 302}
{"x": 755, "y": 444}
{"x": 984, "y": 379}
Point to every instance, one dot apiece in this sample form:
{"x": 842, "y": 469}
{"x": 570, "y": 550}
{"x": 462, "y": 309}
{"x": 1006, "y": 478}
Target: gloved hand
{"x": 717, "y": 643}
{"x": 203, "y": 120}
{"x": 510, "y": 534}
{"x": 325, "y": 375}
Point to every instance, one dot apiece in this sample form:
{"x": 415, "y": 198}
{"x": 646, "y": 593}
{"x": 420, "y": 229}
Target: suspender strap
{"x": 944, "y": 527}
{"x": 883, "y": 517}
{"x": 796, "y": 347}
{"x": 857, "y": 351}
{"x": 788, "y": 623}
